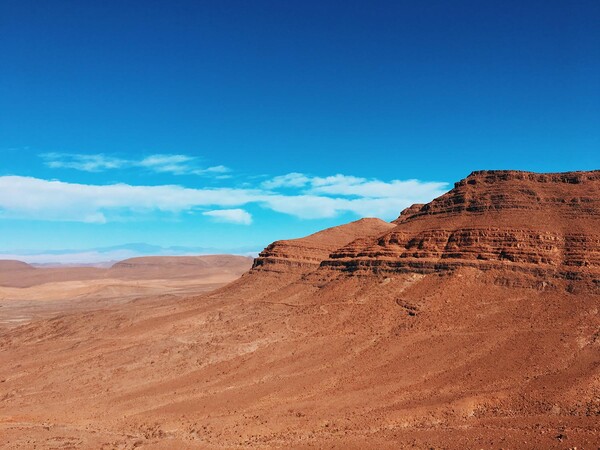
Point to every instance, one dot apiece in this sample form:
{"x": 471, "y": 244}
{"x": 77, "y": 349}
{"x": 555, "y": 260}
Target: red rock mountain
{"x": 546, "y": 225}
{"x": 470, "y": 322}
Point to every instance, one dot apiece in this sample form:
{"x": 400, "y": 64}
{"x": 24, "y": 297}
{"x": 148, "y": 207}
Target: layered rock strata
{"x": 306, "y": 254}
{"x": 544, "y": 224}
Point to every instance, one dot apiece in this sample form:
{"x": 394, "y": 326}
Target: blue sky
{"x": 229, "y": 124}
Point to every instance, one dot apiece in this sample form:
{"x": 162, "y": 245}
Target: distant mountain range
{"x": 101, "y": 256}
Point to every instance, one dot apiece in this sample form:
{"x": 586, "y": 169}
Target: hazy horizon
{"x": 116, "y": 253}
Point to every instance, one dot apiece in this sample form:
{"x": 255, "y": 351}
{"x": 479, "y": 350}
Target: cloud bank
{"x": 294, "y": 194}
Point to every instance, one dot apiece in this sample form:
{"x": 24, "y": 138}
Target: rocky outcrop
{"x": 408, "y": 212}
{"x": 306, "y": 254}
{"x": 544, "y": 224}
{"x": 569, "y": 194}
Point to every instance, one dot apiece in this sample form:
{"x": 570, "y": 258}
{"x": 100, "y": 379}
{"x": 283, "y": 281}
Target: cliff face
{"x": 547, "y": 225}
{"x": 306, "y": 254}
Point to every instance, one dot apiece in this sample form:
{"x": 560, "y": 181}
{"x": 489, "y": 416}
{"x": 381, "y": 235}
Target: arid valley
{"x": 472, "y": 321}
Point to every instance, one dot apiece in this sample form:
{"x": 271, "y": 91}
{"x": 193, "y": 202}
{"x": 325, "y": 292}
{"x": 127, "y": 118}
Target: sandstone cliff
{"x": 307, "y": 253}
{"x": 546, "y": 225}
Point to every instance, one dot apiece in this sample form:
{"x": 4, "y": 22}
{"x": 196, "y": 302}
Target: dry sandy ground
{"x": 28, "y": 293}
{"x": 409, "y": 361}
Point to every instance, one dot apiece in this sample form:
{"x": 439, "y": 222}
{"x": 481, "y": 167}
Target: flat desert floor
{"x": 28, "y": 293}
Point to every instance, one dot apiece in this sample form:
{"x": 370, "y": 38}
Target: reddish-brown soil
{"x": 472, "y": 322}
{"x": 19, "y": 274}
{"x": 28, "y": 293}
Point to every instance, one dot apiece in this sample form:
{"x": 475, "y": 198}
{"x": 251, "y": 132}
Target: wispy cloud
{"x": 310, "y": 198}
{"x": 362, "y": 187}
{"x": 158, "y": 163}
{"x": 290, "y": 180}
{"x": 238, "y": 216}
{"x": 86, "y": 163}
{"x": 177, "y": 164}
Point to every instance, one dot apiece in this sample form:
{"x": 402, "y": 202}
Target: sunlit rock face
{"x": 547, "y": 225}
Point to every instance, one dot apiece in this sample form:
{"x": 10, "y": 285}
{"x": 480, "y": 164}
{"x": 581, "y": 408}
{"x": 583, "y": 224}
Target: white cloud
{"x": 230, "y": 215}
{"x": 216, "y": 169}
{"x": 34, "y": 198}
{"x": 361, "y": 187}
{"x": 38, "y": 199}
{"x": 332, "y": 195}
{"x": 86, "y": 163}
{"x": 354, "y": 186}
{"x": 317, "y": 207}
{"x": 291, "y": 180}
{"x": 175, "y": 164}
{"x": 160, "y": 163}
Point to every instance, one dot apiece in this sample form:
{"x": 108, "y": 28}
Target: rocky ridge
{"x": 546, "y": 225}
{"x": 305, "y": 254}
